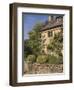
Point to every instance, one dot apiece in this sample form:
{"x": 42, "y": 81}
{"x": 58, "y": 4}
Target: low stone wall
{"x": 43, "y": 68}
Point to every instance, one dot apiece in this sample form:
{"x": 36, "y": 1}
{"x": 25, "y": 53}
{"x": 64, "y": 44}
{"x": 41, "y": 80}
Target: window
{"x": 50, "y": 33}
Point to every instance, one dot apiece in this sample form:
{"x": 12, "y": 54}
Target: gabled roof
{"x": 53, "y": 24}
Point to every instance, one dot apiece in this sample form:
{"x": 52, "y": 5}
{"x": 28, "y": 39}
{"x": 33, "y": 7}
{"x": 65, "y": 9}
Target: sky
{"x": 29, "y": 20}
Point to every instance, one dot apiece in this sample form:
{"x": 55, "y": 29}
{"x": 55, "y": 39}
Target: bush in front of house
{"x": 31, "y": 59}
{"x": 52, "y": 59}
{"x": 55, "y": 60}
{"x": 42, "y": 59}
{"x": 60, "y": 59}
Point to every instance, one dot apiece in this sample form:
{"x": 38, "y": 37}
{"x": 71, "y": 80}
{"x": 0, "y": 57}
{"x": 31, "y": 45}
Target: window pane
{"x": 49, "y": 33}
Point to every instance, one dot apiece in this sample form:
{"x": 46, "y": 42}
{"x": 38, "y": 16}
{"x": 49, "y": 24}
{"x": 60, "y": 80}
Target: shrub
{"x": 30, "y": 58}
{"x": 60, "y": 59}
{"x": 42, "y": 59}
{"x": 54, "y": 60}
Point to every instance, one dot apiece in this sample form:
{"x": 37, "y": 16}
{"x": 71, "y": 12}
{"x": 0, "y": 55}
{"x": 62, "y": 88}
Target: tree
{"x": 33, "y": 44}
{"x": 27, "y": 48}
{"x": 35, "y": 39}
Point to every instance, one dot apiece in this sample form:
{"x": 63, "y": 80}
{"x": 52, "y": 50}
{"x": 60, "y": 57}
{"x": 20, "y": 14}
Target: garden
{"x": 37, "y": 62}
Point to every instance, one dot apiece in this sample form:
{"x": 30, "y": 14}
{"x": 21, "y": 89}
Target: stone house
{"x": 49, "y": 29}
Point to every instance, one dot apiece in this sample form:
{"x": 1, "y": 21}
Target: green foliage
{"x": 42, "y": 59}
{"x": 56, "y": 45}
{"x": 33, "y": 47}
{"x": 34, "y": 40}
{"x": 30, "y": 59}
{"x": 54, "y": 60}
{"x": 60, "y": 60}
{"x": 27, "y": 48}
{"x": 50, "y": 47}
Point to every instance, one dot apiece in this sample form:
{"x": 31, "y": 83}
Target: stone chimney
{"x": 50, "y": 18}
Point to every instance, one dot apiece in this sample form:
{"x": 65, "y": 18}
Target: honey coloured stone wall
{"x": 43, "y": 68}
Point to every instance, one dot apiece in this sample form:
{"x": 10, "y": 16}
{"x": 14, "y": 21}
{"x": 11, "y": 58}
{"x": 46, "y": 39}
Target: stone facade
{"x": 54, "y": 26}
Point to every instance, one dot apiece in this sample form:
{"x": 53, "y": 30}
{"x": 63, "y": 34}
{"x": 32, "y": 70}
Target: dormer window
{"x": 50, "y": 33}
